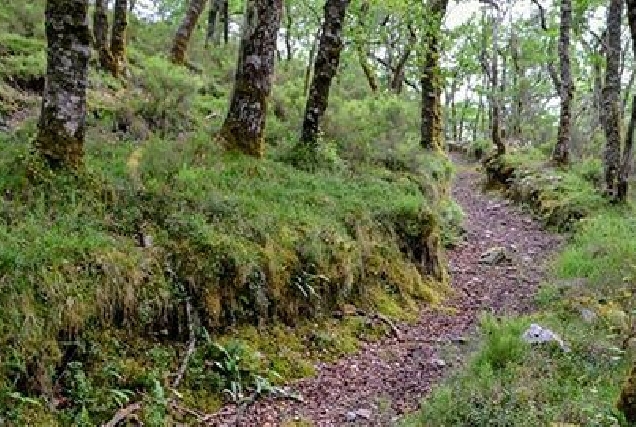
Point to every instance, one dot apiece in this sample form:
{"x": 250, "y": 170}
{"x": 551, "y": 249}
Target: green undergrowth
{"x": 559, "y": 197}
{"x": 589, "y": 301}
{"x": 252, "y": 242}
{"x": 104, "y": 273}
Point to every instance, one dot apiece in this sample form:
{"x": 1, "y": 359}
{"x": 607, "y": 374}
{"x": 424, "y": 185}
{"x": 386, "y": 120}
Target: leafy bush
{"x": 165, "y": 96}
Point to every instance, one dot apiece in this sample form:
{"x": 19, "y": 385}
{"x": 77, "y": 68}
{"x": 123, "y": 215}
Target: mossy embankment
{"x": 559, "y": 197}
{"x": 98, "y": 268}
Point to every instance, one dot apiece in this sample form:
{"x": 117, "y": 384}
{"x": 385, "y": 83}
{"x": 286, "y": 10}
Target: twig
{"x": 191, "y": 346}
{"x": 122, "y": 414}
{"x": 198, "y": 415}
{"x": 390, "y": 323}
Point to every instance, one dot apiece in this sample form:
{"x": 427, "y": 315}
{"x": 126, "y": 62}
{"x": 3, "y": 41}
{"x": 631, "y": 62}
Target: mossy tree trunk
{"x": 100, "y": 36}
{"x": 60, "y": 138}
{"x": 182, "y": 38}
{"x": 118, "y": 36}
{"x": 325, "y": 68}
{"x": 561, "y": 152}
{"x": 431, "y": 81}
{"x": 611, "y": 99}
{"x": 243, "y": 127}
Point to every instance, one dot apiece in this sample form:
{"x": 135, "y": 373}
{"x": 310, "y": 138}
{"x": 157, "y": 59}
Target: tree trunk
{"x": 397, "y": 82}
{"x": 245, "y": 122}
{"x": 225, "y": 18}
{"x": 310, "y": 63}
{"x": 325, "y": 68}
{"x": 118, "y": 36}
{"x": 60, "y": 138}
{"x": 561, "y": 152}
{"x": 215, "y": 8}
{"x": 496, "y": 132}
{"x": 627, "y": 400}
{"x": 611, "y": 99}
{"x": 431, "y": 82}
{"x": 182, "y": 38}
{"x": 288, "y": 26}
{"x": 628, "y": 90}
{"x": 453, "y": 108}
{"x": 362, "y": 49}
{"x": 629, "y": 141}
{"x": 100, "y": 35}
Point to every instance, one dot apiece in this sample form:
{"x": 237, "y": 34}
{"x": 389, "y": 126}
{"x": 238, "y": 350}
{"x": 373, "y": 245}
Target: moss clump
{"x": 559, "y": 197}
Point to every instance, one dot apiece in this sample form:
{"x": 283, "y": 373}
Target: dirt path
{"x": 390, "y": 377}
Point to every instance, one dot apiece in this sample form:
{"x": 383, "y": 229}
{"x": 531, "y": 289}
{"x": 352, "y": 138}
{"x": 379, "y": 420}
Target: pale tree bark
{"x": 182, "y": 38}
{"x": 561, "y": 152}
{"x": 60, "y": 138}
{"x": 118, "y": 36}
{"x": 244, "y": 124}
{"x": 611, "y": 99}
{"x": 430, "y": 81}
{"x": 325, "y": 68}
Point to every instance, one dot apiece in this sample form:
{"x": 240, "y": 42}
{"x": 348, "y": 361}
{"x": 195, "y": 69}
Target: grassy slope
{"x": 507, "y": 383}
{"x": 92, "y": 320}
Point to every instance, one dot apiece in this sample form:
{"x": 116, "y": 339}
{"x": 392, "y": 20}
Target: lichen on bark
{"x": 431, "y": 80}
{"x": 60, "y": 138}
{"x": 244, "y": 124}
{"x": 118, "y": 36}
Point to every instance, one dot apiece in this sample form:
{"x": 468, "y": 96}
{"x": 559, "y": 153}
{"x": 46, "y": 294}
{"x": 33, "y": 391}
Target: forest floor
{"x": 388, "y": 378}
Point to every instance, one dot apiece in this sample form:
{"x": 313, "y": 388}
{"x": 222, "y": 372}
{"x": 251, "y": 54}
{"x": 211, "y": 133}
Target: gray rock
{"x": 364, "y": 413}
{"x": 440, "y": 363}
{"x": 494, "y": 256}
{"x": 588, "y": 315}
{"x": 536, "y": 334}
{"x": 351, "y": 416}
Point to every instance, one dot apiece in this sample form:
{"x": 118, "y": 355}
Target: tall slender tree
{"x": 325, "y": 68}
{"x": 561, "y": 152}
{"x": 118, "y": 36}
{"x": 611, "y": 99}
{"x": 245, "y": 121}
{"x": 431, "y": 81}
{"x": 184, "y": 32}
{"x": 60, "y": 138}
{"x": 100, "y": 34}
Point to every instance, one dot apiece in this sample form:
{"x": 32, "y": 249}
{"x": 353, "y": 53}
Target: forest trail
{"x": 388, "y": 378}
